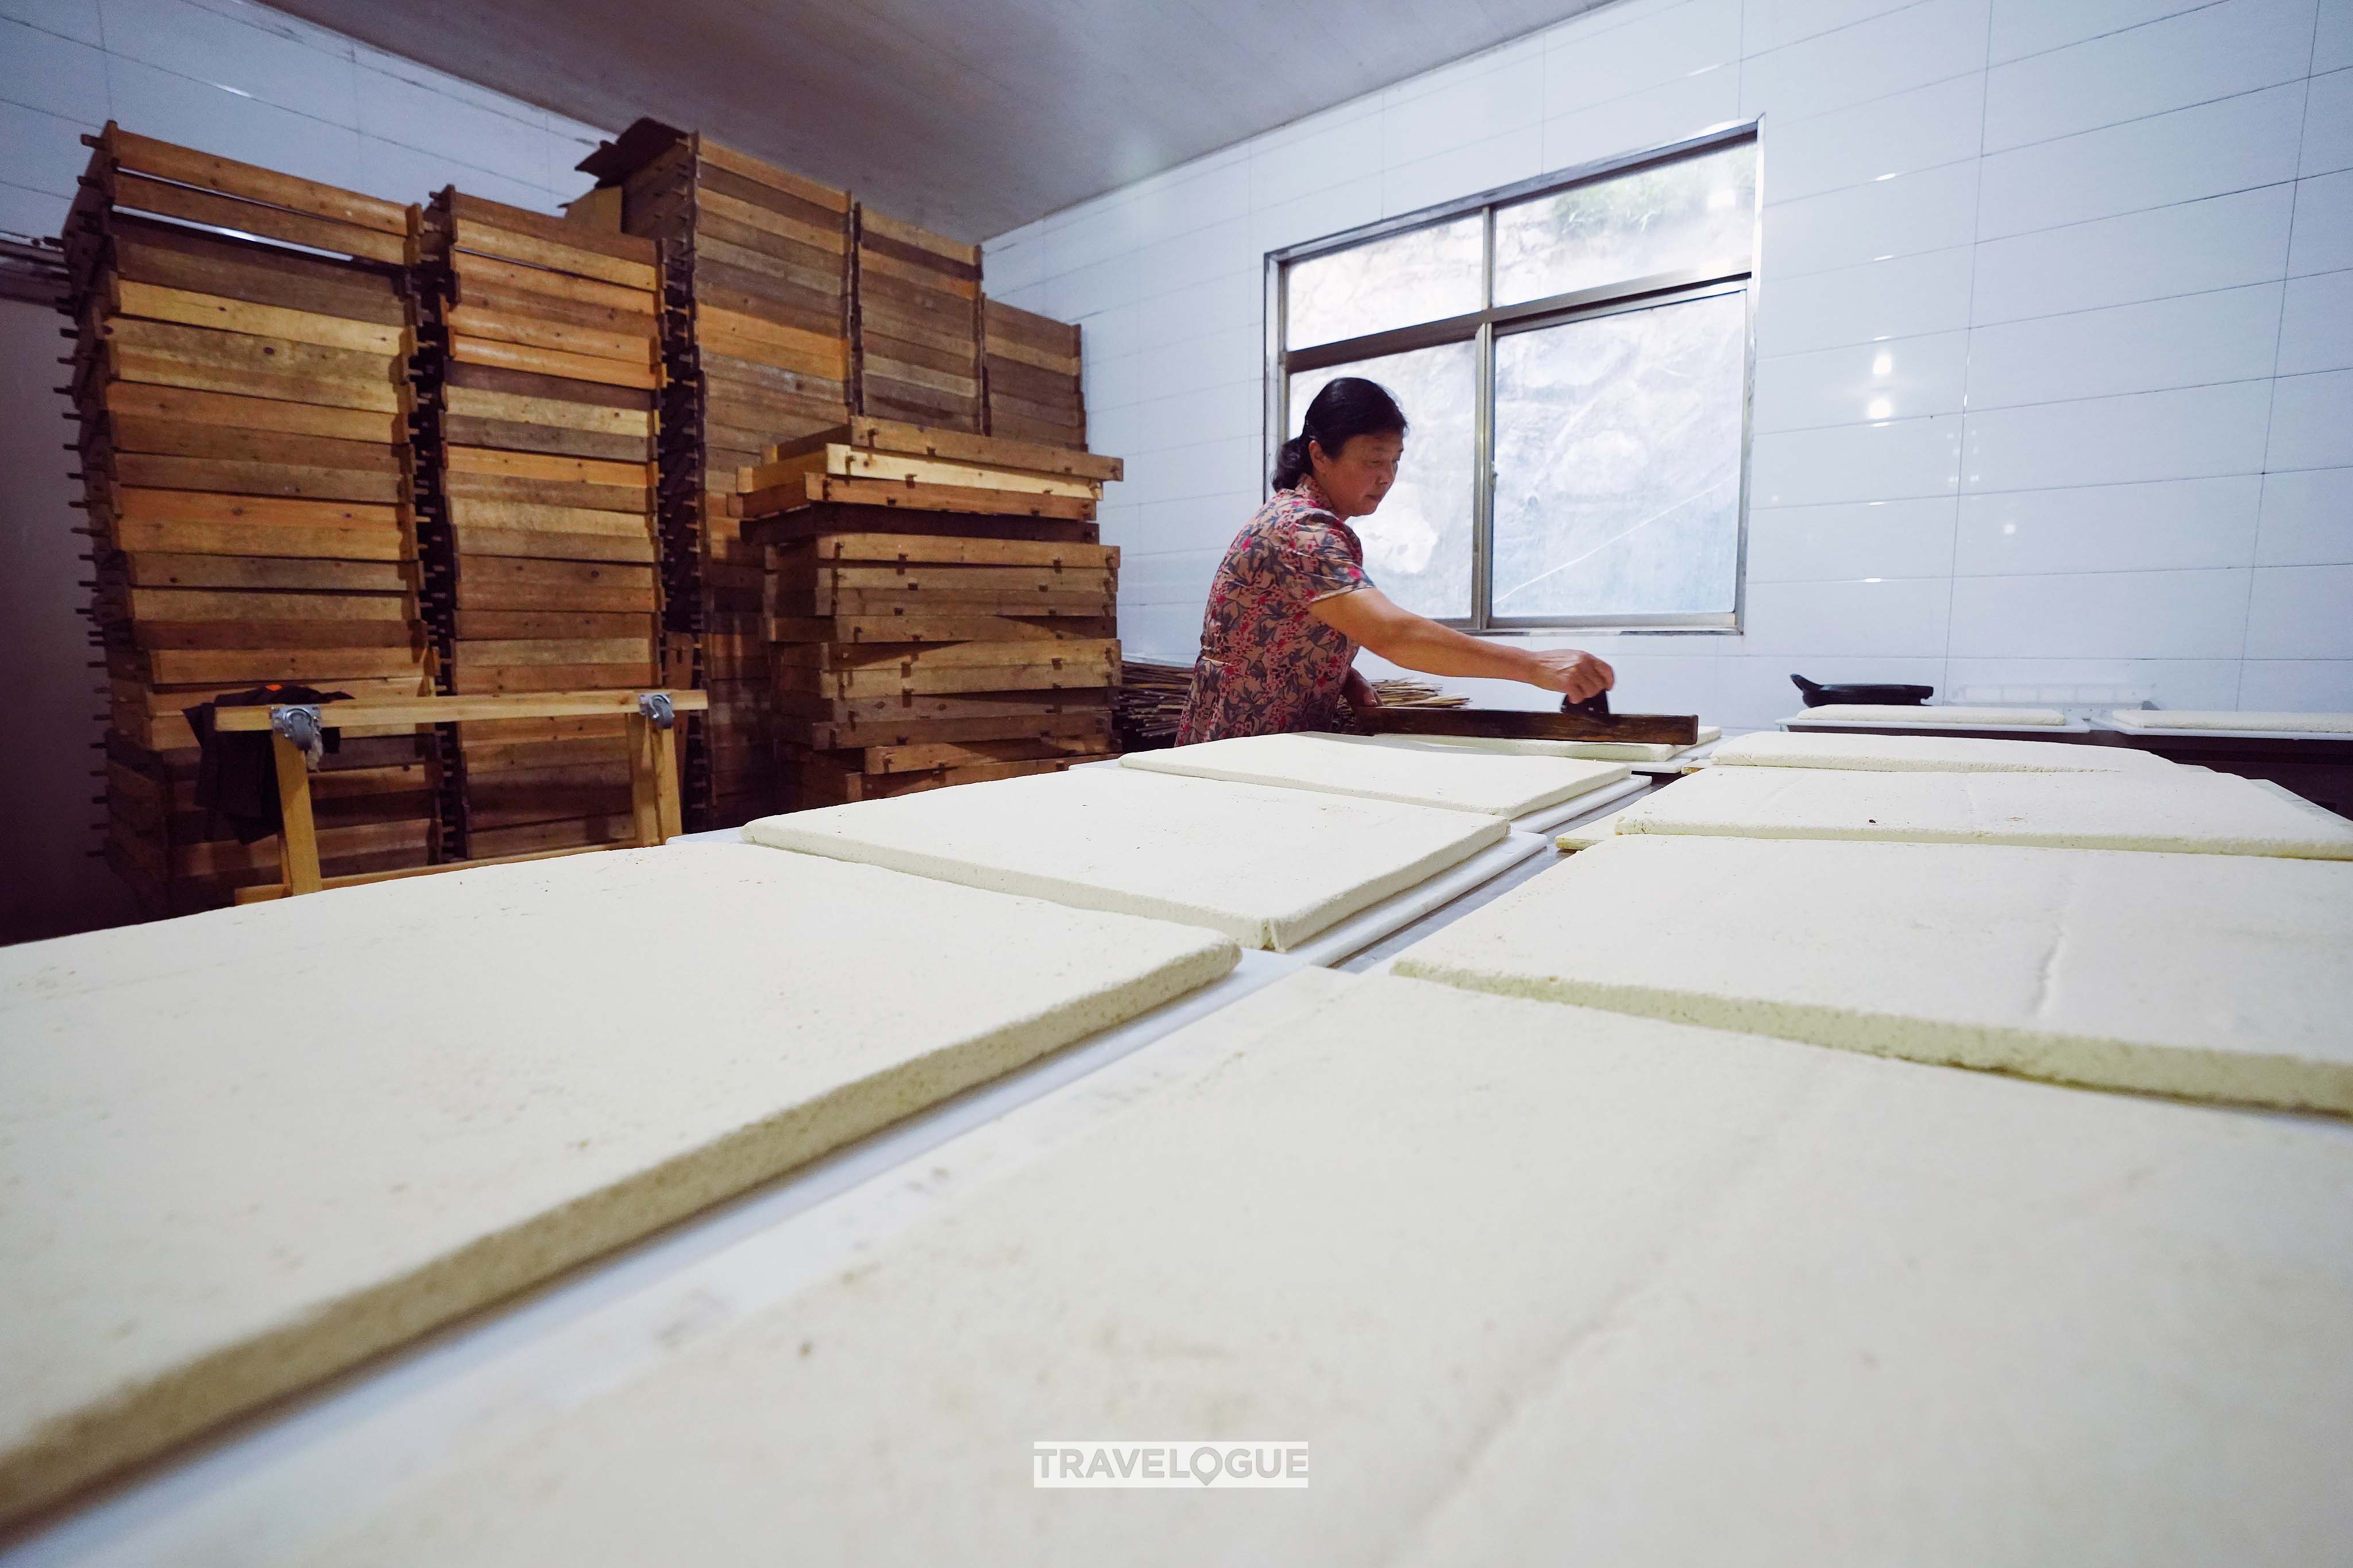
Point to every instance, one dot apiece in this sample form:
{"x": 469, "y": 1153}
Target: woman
{"x": 1290, "y": 604}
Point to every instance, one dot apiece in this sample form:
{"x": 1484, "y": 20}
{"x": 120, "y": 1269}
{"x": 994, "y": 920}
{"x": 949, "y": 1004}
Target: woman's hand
{"x": 1358, "y": 692}
{"x": 1578, "y": 674}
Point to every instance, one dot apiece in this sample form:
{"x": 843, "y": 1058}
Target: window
{"x": 1574, "y": 358}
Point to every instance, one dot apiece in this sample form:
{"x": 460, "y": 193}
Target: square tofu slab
{"x": 1270, "y": 867}
{"x": 246, "y": 1150}
{"x": 2210, "y": 976}
{"x": 1519, "y": 1275}
{"x": 1595, "y": 750}
{"x": 2184, "y": 810}
{"x": 1494, "y": 784}
{"x": 2277, "y": 723}
{"x": 1897, "y": 713}
{"x": 1928, "y": 753}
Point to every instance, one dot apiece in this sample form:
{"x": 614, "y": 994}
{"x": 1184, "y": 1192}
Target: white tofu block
{"x": 2184, "y": 810}
{"x": 246, "y": 1150}
{"x": 2184, "y": 719}
{"x": 1595, "y": 750}
{"x": 1898, "y": 713}
{"x": 1270, "y": 867}
{"x": 1370, "y": 769}
{"x": 1536, "y": 1284}
{"x": 1928, "y": 753}
{"x": 2210, "y": 977}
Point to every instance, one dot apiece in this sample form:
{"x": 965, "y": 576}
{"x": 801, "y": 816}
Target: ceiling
{"x": 971, "y": 117}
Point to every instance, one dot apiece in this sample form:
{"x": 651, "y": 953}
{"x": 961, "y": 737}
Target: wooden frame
{"x": 653, "y": 772}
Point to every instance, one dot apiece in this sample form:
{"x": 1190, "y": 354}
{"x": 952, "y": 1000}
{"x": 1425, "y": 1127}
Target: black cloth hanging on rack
{"x": 236, "y": 775}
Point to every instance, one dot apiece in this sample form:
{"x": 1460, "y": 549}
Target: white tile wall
{"x": 250, "y": 83}
{"x": 2054, "y": 329}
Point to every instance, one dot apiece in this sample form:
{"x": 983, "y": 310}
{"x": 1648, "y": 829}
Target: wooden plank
{"x": 485, "y": 626}
{"x": 767, "y": 173}
{"x": 150, "y": 569}
{"x": 957, "y": 446}
{"x": 1074, "y": 436}
{"x": 172, "y": 257}
{"x": 188, "y": 167}
{"x": 893, "y": 468}
{"x": 625, "y": 500}
{"x": 1066, "y": 367}
{"x": 1009, "y": 582}
{"x": 1667, "y": 729}
{"x": 911, "y": 658}
{"x": 782, "y": 529}
{"x": 222, "y": 633}
{"x": 553, "y": 440}
{"x": 519, "y": 651}
{"x": 822, "y": 354}
{"x": 181, "y": 667}
{"x": 933, "y": 276}
{"x": 515, "y": 408}
{"x": 893, "y": 229}
{"x": 141, "y": 194}
{"x": 540, "y": 545}
{"x": 816, "y": 488}
{"x": 225, "y": 443}
{"x": 1013, "y": 324}
{"x": 935, "y": 550}
{"x": 924, "y": 756}
{"x": 893, "y": 682}
{"x": 506, "y": 244}
{"x": 936, "y": 628}
{"x": 474, "y": 294}
{"x": 537, "y": 466}
{"x": 458, "y": 709}
{"x": 155, "y": 370}
{"x": 609, "y": 243}
{"x": 1023, "y": 408}
{"x": 623, "y": 348}
{"x": 551, "y": 388}
{"x": 816, "y": 236}
{"x": 552, "y": 363}
{"x": 479, "y": 679}
{"x": 263, "y": 892}
{"x": 196, "y": 506}
{"x": 275, "y": 357}
{"x": 178, "y": 604}
{"x": 811, "y": 272}
{"x": 161, "y": 304}
{"x": 273, "y": 540}
{"x": 828, "y": 735}
{"x": 132, "y": 400}
{"x": 491, "y": 272}
{"x": 256, "y": 479}
{"x": 1010, "y": 382}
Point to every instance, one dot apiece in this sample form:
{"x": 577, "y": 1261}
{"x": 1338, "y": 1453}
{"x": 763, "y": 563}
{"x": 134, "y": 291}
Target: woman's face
{"x": 1361, "y": 475}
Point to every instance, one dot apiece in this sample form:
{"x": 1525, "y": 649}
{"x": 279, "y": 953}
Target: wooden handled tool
{"x": 1588, "y": 721}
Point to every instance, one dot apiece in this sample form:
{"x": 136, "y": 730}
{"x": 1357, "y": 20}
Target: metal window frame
{"x": 1482, "y": 327}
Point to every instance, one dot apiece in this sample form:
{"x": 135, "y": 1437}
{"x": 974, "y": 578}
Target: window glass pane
{"x": 1692, "y": 213}
{"x": 1423, "y": 275}
{"x": 1618, "y": 462}
{"x": 1417, "y": 546}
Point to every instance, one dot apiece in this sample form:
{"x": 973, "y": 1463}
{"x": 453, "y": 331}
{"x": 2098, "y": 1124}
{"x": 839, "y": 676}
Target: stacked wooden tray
{"x": 242, "y": 410}
{"x": 917, "y": 327}
{"x": 539, "y": 391}
{"x": 940, "y": 609}
{"x": 1035, "y": 390}
{"x": 757, "y": 344}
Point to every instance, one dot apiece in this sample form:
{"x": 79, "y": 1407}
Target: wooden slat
{"x": 540, "y": 545}
{"x": 610, "y": 243}
{"x": 130, "y": 399}
{"x": 549, "y": 440}
{"x": 551, "y": 411}
{"x": 162, "y": 304}
{"x": 188, "y": 167}
{"x": 767, "y": 173}
{"x": 456, "y": 710}
{"x": 172, "y": 257}
{"x": 142, "y": 195}
{"x": 890, "y": 229}
{"x": 178, "y": 438}
{"x": 628, "y": 348}
{"x": 924, "y": 756}
{"x": 264, "y": 540}
{"x": 198, "y": 604}
{"x": 538, "y": 466}
{"x": 507, "y": 275}
{"x": 634, "y": 501}
{"x": 169, "y": 666}
{"x": 155, "y": 569}
{"x": 510, "y": 244}
{"x": 281, "y": 357}
{"x": 155, "y": 370}
{"x": 936, "y": 628}
{"x": 987, "y": 451}
{"x": 551, "y": 362}
{"x": 816, "y": 236}
{"x": 935, "y": 550}
{"x": 888, "y": 730}
{"x": 284, "y": 480}
{"x": 817, "y": 488}
{"x": 1666, "y": 729}
{"x": 1066, "y": 367}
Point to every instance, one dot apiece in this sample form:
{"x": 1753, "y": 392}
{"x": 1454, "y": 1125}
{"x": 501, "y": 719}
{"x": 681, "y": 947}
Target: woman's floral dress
{"x": 1268, "y": 666}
